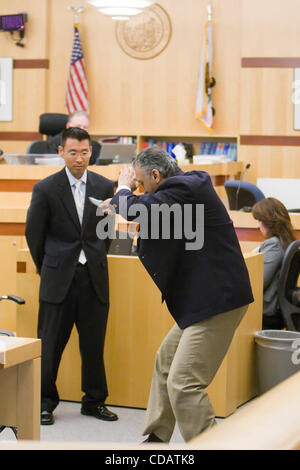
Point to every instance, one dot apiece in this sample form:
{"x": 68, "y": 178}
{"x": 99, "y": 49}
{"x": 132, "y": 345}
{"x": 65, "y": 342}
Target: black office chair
{"x": 38, "y": 147}
{"x": 50, "y": 125}
{"x": 242, "y": 195}
{"x": 19, "y": 301}
{"x": 288, "y": 293}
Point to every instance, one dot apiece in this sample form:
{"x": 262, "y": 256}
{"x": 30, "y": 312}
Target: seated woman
{"x": 275, "y": 225}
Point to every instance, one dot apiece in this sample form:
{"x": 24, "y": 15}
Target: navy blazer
{"x": 55, "y": 236}
{"x": 196, "y": 284}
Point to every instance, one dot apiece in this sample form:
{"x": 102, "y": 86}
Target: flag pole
{"x": 204, "y": 108}
{"x": 77, "y": 87}
{"x": 209, "y": 20}
{"x": 76, "y": 11}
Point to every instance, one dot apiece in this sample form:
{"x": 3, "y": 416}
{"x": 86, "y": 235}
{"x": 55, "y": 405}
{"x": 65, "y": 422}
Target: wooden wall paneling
{"x": 19, "y": 136}
{"x": 156, "y": 96}
{"x": 12, "y": 146}
{"x": 29, "y": 84}
{"x": 273, "y": 140}
{"x": 35, "y": 28}
{"x": 269, "y": 37}
{"x": 29, "y": 91}
{"x": 270, "y": 29}
{"x": 227, "y": 32}
{"x": 31, "y": 64}
{"x": 29, "y": 97}
{"x": 270, "y": 62}
{"x": 266, "y": 106}
{"x": 270, "y": 161}
{"x": 60, "y": 41}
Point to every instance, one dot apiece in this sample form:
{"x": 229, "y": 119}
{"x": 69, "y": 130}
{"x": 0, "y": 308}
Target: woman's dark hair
{"x": 275, "y": 217}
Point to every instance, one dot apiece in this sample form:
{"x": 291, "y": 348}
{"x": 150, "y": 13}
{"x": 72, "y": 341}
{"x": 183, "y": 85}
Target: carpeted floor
{"x": 71, "y": 426}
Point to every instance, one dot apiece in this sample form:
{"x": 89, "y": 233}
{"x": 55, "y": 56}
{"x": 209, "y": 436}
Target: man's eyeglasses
{"x": 84, "y": 153}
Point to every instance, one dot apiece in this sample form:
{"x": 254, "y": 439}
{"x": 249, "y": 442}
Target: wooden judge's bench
{"x": 21, "y": 178}
{"x": 16, "y": 183}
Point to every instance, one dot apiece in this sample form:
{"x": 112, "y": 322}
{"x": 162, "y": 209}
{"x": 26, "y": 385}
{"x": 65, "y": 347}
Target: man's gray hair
{"x": 77, "y": 113}
{"x": 156, "y": 158}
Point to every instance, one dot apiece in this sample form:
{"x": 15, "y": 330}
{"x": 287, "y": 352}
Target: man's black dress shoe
{"x": 100, "y": 412}
{"x": 47, "y": 417}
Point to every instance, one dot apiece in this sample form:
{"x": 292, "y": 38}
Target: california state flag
{"x": 204, "y": 109}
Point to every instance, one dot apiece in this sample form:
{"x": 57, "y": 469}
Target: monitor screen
{"x": 120, "y": 153}
{"x": 12, "y": 22}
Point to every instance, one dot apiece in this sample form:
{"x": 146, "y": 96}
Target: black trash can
{"x": 277, "y": 355}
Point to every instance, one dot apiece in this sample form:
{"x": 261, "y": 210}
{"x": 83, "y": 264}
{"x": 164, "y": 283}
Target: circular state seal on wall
{"x": 146, "y": 35}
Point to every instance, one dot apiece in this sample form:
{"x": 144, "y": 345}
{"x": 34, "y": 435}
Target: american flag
{"x": 77, "y": 89}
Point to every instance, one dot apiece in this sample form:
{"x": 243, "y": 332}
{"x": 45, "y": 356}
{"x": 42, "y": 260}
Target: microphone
{"x": 239, "y": 185}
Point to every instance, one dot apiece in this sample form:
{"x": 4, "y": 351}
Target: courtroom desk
{"x": 13, "y": 212}
{"x": 13, "y": 209}
{"x": 15, "y": 199}
{"x": 137, "y": 324}
{"x": 246, "y": 226}
{"x": 20, "y": 385}
{"x": 16, "y": 183}
{"x": 218, "y": 171}
{"x": 21, "y": 178}
{"x": 270, "y": 422}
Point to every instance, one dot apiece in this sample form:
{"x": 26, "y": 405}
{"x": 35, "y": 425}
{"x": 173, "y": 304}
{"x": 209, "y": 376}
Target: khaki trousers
{"x": 186, "y": 363}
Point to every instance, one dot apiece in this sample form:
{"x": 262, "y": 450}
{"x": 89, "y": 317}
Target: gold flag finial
{"x": 209, "y": 15}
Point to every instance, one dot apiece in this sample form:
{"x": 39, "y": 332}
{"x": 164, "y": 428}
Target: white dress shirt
{"x": 73, "y": 181}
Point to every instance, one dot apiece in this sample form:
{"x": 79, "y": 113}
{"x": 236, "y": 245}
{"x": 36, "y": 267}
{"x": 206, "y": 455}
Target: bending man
{"x": 205, "y": 285}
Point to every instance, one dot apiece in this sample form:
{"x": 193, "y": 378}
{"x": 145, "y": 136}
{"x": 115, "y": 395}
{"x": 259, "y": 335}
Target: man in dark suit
{"x": 76, "y": 119}
{"x": 202, "y": 277}
{"x": 71, "y": 260}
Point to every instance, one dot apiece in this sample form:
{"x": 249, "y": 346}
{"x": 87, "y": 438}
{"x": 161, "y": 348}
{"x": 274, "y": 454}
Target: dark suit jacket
{"x": 55, "y": 141}
{"x": 201, "y": 283}
{"x": 55, "y": 236}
